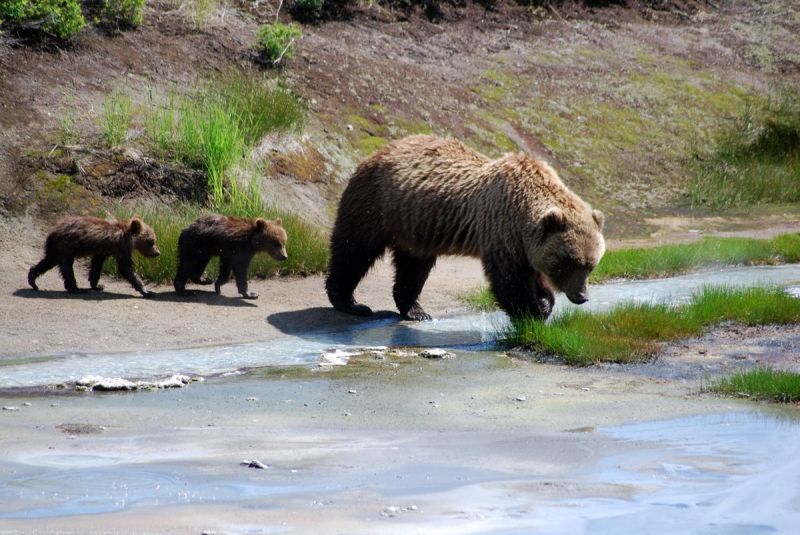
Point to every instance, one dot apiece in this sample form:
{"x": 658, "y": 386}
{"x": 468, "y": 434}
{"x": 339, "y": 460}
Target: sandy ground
{"x": 52, "y": 321}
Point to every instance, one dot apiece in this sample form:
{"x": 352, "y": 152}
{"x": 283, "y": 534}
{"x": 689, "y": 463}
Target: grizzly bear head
{"x": 270, "y": 237}
{"x": 143, "y": 238}
{"x": 570, "y": 246}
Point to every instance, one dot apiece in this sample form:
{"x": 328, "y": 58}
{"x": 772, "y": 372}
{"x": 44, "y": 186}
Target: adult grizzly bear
{"x": 424, "y": 196}
{"x": 235, "y": 240}
{"x": 78, "y": 236}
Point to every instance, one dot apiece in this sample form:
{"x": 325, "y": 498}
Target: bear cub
{"x": 80, "y": 236}
{"x": 235, "y": 240}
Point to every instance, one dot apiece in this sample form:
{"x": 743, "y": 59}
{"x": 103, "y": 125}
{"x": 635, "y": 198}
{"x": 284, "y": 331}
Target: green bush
{"x": 124, "y": 13}
{"x": 62, "y": 18}
{"x": 307, "y": 10}
{"x": 276, "y": 41}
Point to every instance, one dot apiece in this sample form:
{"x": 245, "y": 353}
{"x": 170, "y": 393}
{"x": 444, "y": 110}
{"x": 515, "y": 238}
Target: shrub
{"x": 275, "y": 42}
{"x": 62, "y": 18}
{"x": 307, "y": 10}
{"x": 124, "y": 13}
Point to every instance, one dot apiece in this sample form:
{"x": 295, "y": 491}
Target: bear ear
{"x": 135, "y": 226}
{"x": 553, "y": 221}
{"x": 279, "y": 222}
{"x": 261, "y": 224}
{"x": 599, "y": 218}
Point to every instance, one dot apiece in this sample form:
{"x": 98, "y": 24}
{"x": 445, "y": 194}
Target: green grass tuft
{"x": 757, "y": 160}
{"x": 630, "y": 332}
{"x": 761, "y": 383}
{"x": 116, "y": 118}
{"x": 667, "y": 260}
{"x": 481, "y": 299}
{"x": 216, "y": 128}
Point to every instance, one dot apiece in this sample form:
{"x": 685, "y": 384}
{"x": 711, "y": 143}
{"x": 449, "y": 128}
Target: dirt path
{"x": 51, "y": 321}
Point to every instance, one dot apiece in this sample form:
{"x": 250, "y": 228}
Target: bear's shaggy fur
{"x": 78, "y": 236}
{"x": 235, "y": 240}
{"x": 424, "y": 196}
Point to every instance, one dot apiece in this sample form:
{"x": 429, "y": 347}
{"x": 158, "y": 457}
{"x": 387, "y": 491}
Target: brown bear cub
{"x": 79, "y": 236}
{"x": 235, "y": 240}
{"x": 424, "y": 196}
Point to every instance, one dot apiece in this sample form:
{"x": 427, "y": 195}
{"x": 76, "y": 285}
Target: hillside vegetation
{"x": 178, "y": 107}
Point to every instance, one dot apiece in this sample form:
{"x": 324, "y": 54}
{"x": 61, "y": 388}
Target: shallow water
{"x": 467, "y": 332}
{"x": 725, "y": 473}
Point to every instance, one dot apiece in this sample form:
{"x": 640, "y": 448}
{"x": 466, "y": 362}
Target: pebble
{"x": 254, "y": 464}
{"x": 436, "y": 353}
{"x": 27, "y": 404}
{"x": 252, "y": 398}
{"x": 521, "y": 398}
{"x": 10, "y": 408}
{"x": 352, "y": 391}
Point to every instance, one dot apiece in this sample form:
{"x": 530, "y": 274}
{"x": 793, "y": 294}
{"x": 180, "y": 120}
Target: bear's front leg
{"x": 241, "y": 262}
{"x": 517, "y": 287}
{"x": 125, "y": 266}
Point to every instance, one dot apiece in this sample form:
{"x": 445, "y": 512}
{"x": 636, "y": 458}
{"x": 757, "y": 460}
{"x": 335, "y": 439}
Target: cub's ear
{"x": 279, "y": 222}
{"x": 599, "y": 218}
{"x": 553, "y": 221}
{"x": 135, "y": 226}
{"x": 261, "y": 224}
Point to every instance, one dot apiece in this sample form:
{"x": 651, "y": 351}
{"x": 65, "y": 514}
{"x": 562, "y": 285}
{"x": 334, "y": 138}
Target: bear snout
{"x": 578, "y": 299}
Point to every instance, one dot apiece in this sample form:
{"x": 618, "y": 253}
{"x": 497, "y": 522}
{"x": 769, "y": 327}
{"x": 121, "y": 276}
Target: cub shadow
{"x": 325, "y": 325}
{"x": 29, "y": 293}
{"x": 205, "y": 297}
{"x": 199, "y": 296}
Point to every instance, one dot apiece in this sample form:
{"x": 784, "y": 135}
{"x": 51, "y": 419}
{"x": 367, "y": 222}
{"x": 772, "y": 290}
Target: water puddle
{"x": 726, "y": 473}
{"x": 466, "y": 332}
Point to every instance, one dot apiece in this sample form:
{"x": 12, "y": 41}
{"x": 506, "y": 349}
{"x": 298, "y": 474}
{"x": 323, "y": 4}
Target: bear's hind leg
{"x": 70, "y": 284}
{"x": 94, "y": 272}
{"x": 350, "y": 261}
{"x": 46, "y": 264}
{"x": 224, "y": 272}
{"x": 186, "y": 261}
{"x": 411, "y": 272}
{"x": 515, "y": 286}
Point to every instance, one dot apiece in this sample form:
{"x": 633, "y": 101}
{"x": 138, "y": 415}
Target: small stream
{"x": 465, "y": 332}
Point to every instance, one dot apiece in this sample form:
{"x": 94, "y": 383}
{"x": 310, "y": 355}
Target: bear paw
{"x": 416, "y": 313}
{"x": 249, "y": 295}
{"x": 98, "y": 288}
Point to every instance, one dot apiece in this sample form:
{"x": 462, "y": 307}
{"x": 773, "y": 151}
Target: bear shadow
{"x": 91, "y": 295}
{"x": 204, "y": 297}
{"x": 321, "y": 320}
{"x": 383, "y": 328}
